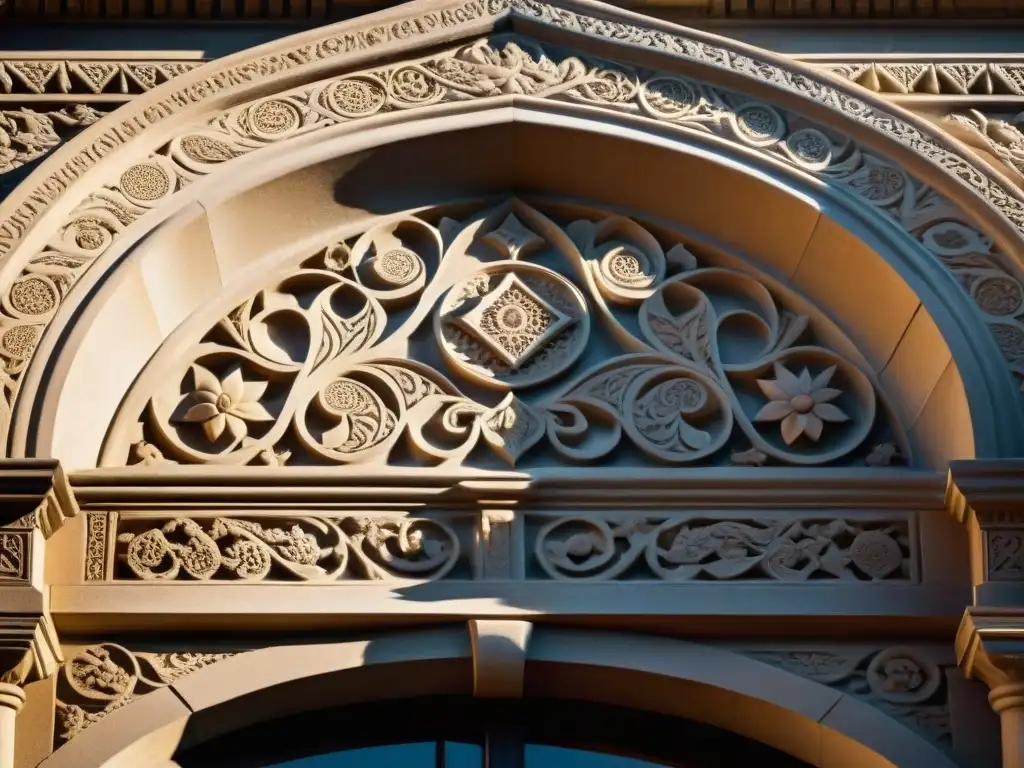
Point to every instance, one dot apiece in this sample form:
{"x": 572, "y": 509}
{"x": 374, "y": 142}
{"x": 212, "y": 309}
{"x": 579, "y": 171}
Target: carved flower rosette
{"x": 428, "y": 341}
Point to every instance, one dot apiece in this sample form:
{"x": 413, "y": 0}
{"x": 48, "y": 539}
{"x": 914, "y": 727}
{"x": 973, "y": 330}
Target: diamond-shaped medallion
{"x": 513, "y": 322}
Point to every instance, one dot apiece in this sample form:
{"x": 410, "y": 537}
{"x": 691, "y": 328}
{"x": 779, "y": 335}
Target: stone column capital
{"x": 35, "y": 493}
{"x": 990, "y": 647}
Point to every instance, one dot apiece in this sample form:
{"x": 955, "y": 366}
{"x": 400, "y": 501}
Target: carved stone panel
{"x": 723, "y": 546}
{"x": 512, "y": 338}
{"x": 239, "y": 548}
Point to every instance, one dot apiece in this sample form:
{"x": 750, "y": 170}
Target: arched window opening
{"x": 455, "y": 732}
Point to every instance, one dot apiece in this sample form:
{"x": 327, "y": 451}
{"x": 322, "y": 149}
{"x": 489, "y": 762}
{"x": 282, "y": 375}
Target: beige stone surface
{"x": 841, "y": 272}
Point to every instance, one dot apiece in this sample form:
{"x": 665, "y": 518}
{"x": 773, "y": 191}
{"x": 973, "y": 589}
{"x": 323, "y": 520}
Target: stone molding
{"x": 29, "y": 649}
{"x": 987, "y": 496}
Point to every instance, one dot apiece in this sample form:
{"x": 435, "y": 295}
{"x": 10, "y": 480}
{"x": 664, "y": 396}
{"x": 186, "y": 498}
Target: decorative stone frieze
{"x": 690, "y": 546}
{"x": 99, "y": 679}
{"x": 933, "y": 78}
{"x": 704, "y": 545}
{"x": 315, "y": 548}
{"x": 901, "y": 681}
{"x": 73, "y": 77}
{"x": 305, "y": 371}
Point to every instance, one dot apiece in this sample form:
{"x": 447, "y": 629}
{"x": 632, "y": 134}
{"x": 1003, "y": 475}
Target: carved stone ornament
{"x": 899, "y": 681}
{"x": 486, "y": 353}
{"x": 688, "y": 546}
{"x": 928, "y": 78}
{"x": 70, "y": 77}
{"x": 102, "y": 678}
{"x": 27, "y": 135}
{"x": 492, "y": 68}
{"x": 260, "y": 548}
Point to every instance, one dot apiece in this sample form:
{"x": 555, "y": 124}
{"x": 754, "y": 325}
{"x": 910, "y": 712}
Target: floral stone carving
{"x": 689, "y": 546}
{"x": 27, "y": 135}
{"x": 900, "y": 681}
{"x": 102, "y": 678}
{"x": 310, "y": 549}
{"x": 492, "y": 68}
{"x": 305, "y": 372}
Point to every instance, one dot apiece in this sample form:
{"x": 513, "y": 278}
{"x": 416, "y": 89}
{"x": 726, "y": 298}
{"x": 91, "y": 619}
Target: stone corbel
{"x": 988, "y": 498}
{"x": 990, "y": 647}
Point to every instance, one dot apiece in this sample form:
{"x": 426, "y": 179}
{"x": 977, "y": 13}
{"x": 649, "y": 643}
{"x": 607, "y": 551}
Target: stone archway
{"x": 61, "y": 223}
{"x": 800, "y": 717}
{"x": 208, "y": 201}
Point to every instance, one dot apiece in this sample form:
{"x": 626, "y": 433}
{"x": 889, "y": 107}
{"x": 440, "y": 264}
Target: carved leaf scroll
{"x": 591, "y": 339}
{"x": 490, "y": 68}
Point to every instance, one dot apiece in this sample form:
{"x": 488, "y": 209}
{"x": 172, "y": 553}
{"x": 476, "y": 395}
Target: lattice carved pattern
{"x": 486, "y": 69}
{"x": 571, "y": 343}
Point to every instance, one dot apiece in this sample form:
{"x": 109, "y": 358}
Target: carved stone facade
{"x": 498, "y": 435}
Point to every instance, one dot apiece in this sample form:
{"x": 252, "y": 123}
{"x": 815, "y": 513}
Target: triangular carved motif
{"x": 97, "y": 75}
{"x": 34, "y": 74}
{"x": 145, "y": 75}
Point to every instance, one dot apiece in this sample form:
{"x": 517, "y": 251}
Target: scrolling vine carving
{"x": 703, "y": 362}
{"x": 102, "y": 678}
{"x": 685, "y": 547}
{"x": 313, "y": 548}
{"x": 487, "y": 69}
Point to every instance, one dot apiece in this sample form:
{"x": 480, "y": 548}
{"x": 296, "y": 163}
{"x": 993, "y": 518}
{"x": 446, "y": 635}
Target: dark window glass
{"x": 538, "y": 756}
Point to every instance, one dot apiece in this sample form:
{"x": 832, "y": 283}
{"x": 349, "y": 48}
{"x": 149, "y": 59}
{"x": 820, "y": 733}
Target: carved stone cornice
{"x": 989, "y": 491}
{"x": 35, "y": 493}
{"x": 990, "y": 647}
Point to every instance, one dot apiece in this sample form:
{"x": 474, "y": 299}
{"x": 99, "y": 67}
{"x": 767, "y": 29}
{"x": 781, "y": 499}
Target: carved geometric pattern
{"x": 520, "y": 68}
{"x": 67, "y": 77}
{"x": 676, "y": 379}
{"x": 934, "y": 78}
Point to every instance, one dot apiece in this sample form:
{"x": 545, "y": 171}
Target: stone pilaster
{"x": 988, "y": 498}
{"x": 35, "y": 501}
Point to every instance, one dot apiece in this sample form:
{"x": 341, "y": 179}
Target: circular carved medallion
{"x": 810, "y": 148}
{"x": 272, "y": 118}
{"x": 355, "y": 98}
{"x": 759, "y": 124}
{"x": 998, "y": 295}
{"x": 668, "y": 97}
{"x": 145, "y": 182}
